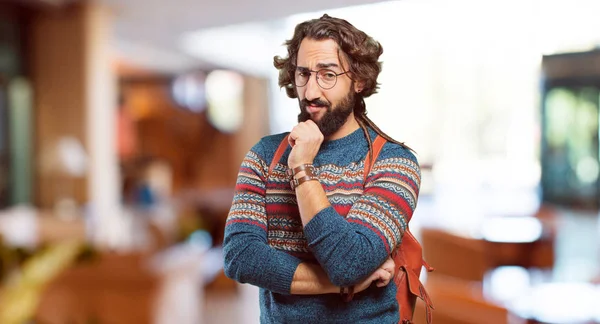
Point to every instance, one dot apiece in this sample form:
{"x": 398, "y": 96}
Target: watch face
{"x": 189, "y": 91}
{"x": 224, "y": 92}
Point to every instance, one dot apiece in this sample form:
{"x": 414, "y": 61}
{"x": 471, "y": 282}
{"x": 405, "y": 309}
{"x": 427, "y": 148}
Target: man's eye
{"x": 327, "y": 75}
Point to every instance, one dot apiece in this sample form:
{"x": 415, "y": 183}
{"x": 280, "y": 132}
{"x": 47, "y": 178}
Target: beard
{"x": 333, "y": 118}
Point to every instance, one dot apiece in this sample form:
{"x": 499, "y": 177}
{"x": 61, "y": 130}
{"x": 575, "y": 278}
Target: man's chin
{"x": 317, "y": 115}
{"x": 306, "y": 116}
{"x": 316, "y": 118}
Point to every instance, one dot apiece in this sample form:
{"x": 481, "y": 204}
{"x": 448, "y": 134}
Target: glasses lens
{"x": 301, "y": 77}
{"x": 327, "y": 78}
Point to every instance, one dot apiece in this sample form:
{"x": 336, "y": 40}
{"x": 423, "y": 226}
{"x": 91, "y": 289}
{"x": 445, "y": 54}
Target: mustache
{"x": 315, "y": 102}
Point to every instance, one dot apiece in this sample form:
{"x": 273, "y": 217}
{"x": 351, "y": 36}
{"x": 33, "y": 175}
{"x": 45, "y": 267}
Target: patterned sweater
{"x": 265, "y": 240}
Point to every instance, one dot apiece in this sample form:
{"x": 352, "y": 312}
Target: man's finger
{"x": 310, "y": 122}
{"x": 292, "y": 137}
{"x": 382, "y": 283}
{"x": 384, "y": 278}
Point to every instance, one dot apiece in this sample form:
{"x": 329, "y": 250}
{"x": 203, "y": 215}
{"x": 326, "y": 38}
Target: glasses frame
{"x": 317, "y": 77}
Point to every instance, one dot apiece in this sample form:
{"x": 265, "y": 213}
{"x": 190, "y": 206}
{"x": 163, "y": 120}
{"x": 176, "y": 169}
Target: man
{"x": 313, "y": 244}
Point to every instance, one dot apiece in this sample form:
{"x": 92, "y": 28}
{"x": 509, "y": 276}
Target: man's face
{"x": 328, "y": 108}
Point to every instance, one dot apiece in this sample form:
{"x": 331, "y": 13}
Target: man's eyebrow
{"x": 327, "y": 65}
{"x": 319, "y": 66}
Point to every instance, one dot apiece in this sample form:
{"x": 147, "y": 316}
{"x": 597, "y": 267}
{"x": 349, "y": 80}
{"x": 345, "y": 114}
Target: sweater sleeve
{"x": 350, "y": 249}
{"x": 248, "y": 257}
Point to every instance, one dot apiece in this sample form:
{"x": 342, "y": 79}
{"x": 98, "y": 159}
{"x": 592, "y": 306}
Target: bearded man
{"x": 311, "y": 229}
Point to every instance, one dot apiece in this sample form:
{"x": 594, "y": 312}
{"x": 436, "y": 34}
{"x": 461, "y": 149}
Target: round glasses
{"x": 326, "y": 78}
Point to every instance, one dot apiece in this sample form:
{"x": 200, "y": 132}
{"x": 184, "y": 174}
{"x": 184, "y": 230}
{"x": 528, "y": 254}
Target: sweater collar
{"x": 355, "y": 138}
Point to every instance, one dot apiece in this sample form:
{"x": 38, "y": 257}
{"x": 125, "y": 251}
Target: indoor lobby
{"x": 123, "y": 124}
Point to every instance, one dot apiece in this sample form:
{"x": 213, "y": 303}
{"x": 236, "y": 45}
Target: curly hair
{"x": 360, "y": 51}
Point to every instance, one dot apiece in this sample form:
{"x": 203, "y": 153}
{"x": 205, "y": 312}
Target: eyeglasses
{"x": 326, "y": 78}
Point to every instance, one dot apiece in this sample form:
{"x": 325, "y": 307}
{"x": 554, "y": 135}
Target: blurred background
{"x": 123, "y": 124}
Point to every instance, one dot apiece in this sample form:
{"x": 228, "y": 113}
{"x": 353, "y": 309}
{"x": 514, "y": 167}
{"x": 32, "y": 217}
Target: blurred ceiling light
{"x": 248, "y": 48}
{"x": 224, "y": 92}
{"x": 189, "y": 91}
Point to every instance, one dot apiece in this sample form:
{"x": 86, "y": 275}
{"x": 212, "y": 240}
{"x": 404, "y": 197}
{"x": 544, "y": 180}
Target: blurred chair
{"x": 458, "y": 301}
{"x": 129, "y": 289}
{"x": 518, "y": 241}
{"x": 112, "y": 289}
{"x": 453, "y": 255}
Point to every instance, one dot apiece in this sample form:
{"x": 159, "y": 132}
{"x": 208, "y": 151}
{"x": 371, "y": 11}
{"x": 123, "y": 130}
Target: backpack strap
{"x": 278, "y": 154}
{"x": 414, "y": 284}
{"x": 377, "y": 146}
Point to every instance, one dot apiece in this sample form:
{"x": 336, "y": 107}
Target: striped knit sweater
{"x": 265, "y": 240}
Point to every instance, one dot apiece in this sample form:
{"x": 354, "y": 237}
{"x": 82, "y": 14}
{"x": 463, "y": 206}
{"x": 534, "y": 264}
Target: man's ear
{"x": 359, "y": 86}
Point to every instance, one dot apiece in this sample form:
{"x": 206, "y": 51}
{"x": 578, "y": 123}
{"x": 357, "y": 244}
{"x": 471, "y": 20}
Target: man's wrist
{"x": 301, "y": 174}
{"x": 301, "y": 170}
{"x": 320, "y": 280}
{"x": 331, "y": 289}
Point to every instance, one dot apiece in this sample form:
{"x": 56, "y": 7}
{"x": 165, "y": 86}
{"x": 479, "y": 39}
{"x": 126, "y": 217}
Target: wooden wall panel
{"x": 58, "y": 71}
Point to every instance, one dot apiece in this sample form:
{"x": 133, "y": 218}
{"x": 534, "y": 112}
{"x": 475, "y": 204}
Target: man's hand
{"x": 382, "y": 276}
{"x": 390, "y": 267}
{"x": 305, "y": 140}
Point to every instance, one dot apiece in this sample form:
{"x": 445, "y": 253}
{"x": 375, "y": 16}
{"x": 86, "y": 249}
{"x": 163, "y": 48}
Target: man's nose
{"x": 313, "y": 91}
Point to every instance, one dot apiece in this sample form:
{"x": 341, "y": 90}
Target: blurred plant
{"x": 22, "y": 289}
{"x": 11, "y": 258}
